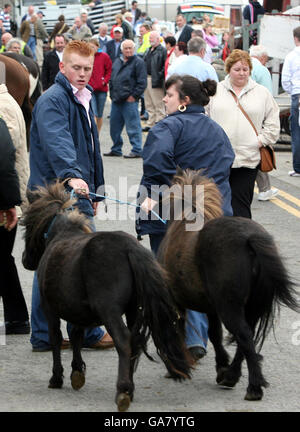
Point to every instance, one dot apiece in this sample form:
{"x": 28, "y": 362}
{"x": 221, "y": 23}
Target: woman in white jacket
{"x": 261, "y": 108}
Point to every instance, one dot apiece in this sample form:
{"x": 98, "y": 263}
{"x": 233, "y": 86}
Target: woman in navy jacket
{"x": 189, "y": 139}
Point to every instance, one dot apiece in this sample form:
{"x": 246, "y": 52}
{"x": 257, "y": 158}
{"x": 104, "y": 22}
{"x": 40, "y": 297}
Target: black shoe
{"x": 146, "y": 129}
{"x": 197, "y": 352}
{"x": 17, "y": 327}
{"x": 132, "y": 155}
{"x": 111, "y": 153}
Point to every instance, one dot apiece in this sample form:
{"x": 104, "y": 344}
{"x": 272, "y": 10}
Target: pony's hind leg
{"x": 121, "y": 337}
{"x": 215, "y": 335}
{"x": 237, "y": 325}
{"x": 135, "y": 342}
{"x": 55, "y": 337}
{"x": 231, "y": 375}
{"x": 234, "y": 372}
{"x": 78, "y": 365}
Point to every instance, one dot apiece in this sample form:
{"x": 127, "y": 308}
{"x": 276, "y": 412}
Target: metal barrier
{"x": 106, "y": 12}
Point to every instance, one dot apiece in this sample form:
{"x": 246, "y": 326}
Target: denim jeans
{"x": 196, "y": 329}
{"x": 39, "y": 326}
{"x": 98, "y": 102}
{"x": 125, "y": 113}
{"x": 295, "y": 132}
{"x": 32, "y": 45}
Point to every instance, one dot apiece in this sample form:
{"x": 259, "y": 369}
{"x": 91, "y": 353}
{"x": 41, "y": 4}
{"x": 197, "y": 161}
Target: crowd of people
{"x": 193, "y": 118}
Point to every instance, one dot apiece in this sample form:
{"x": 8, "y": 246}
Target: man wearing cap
{"x": 40, "y": 14}
{"x": 113, "y": 47}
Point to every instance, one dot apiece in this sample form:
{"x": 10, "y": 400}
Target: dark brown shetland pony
{"x": 230, "y": 270}
{"x": 91, "y": 279}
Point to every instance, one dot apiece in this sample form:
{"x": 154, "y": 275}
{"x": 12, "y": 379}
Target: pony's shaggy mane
{"x": 47, "y": 202}
{"x": 210, "y": 201}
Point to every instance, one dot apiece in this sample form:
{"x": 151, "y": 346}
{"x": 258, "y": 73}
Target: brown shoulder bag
{"x": 267, "y": 154}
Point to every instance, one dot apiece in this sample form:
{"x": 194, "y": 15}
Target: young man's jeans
{"x": 39, "y": 326}
{"x": 295, "y": 132}
{"x": 125, "y": 113}
{"x": 32, "y": 45}
{"x": 196, "y": 329}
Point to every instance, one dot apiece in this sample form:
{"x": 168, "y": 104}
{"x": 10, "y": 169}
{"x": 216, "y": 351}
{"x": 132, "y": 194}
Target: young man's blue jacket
{"x": 62, "y": 143}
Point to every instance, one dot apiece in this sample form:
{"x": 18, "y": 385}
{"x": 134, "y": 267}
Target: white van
{"x": 232, "y": 9}
{"x": 196, "y": 9}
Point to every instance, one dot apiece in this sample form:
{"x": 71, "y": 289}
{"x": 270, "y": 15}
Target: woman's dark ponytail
{"x": 210, "y": 86}
{"x": 187, "y": 85}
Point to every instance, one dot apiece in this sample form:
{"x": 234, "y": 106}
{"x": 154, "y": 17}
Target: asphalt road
{"x": 24, "y": 375}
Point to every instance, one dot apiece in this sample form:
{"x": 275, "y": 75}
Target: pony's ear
{"x": 32, "y": 196}
{"x": 179, "y": 171}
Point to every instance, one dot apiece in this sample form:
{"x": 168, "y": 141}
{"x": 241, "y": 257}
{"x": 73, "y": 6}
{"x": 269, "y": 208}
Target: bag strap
{"x": 61, "y": 29}
{"x": 243, "y": 111}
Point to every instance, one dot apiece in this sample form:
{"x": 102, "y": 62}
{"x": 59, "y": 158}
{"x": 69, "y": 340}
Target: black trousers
{"x": 155, "y": 241}
{"x": 14, "y": 304}
{"x": 242, "y": 182}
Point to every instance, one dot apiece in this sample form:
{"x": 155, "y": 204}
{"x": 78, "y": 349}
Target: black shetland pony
{"x": 91, "y": 279}
{"x": 230, "y": 270}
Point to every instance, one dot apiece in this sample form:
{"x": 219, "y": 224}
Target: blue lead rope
{"x": 119, "y": 202}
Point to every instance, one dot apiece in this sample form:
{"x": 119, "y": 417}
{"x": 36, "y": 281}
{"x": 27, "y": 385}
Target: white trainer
{"x": 294, "y": 174}
{"x": 269, "y": 194}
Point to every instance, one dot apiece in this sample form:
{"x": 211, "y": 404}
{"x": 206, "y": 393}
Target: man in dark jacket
{"x": 184, "y": 31}
{"x": 51, "y": 62}
{"x": 64, "y": 144}
{"x": 155, "y": 58}
{"x": 128, "y": 82}
{"x": 113, "y": 47}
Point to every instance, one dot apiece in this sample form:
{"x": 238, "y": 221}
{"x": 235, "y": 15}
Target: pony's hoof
{"x": 54, "y": 383}
{"x": 227, "y": 383}
{"x": 254, "y": 396}
{"x": 221, "y": 374}
{"x": 123, "y": 401}
{"x": 77, "y": 380}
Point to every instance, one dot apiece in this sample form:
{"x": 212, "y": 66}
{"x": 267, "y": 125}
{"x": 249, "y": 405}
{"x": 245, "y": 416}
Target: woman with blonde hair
{"x": 250, "y": 117}
{"x": 119, "y": 22}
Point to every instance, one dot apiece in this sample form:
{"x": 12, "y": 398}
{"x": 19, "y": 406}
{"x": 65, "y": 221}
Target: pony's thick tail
{"x": 271, "y": 287}
{"x": 157, "y": 315}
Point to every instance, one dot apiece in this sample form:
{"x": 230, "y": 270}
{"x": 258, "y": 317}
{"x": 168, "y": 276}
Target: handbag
{"x": 267, "y": 159}
{"x": 267, "y": 153}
